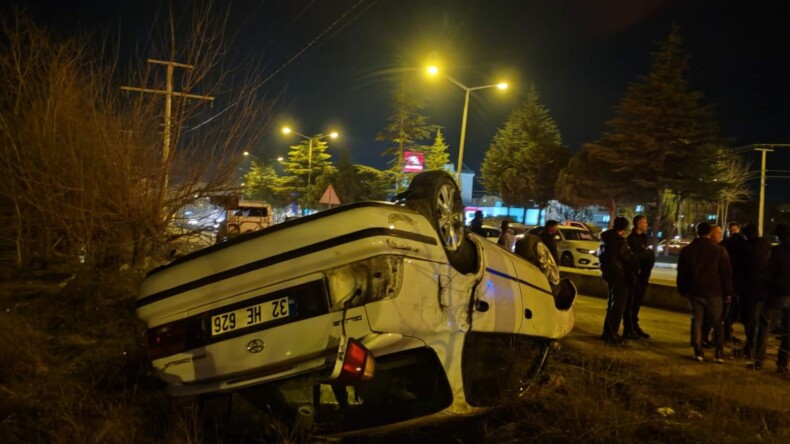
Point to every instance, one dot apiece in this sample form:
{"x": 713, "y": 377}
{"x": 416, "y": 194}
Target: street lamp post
{"x": 468, "y": 91}
{"x": 332, "y": 135}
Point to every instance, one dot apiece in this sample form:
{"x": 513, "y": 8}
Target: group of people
{"x": 626, "y": 264}
{"x": 742, "y": 279}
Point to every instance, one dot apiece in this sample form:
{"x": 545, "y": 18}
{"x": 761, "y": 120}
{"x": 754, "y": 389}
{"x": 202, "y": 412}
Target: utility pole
{"x": 169, "y": 94}
{"x": 764, "y": 149}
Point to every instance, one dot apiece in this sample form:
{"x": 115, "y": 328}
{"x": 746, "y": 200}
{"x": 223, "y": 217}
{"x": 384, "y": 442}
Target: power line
{"x": 169, "y": 94}
{"x": 283, "y": 66}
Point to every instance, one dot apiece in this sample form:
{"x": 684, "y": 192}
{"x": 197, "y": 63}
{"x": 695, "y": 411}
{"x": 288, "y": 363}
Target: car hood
{"x": 588, "y": 245}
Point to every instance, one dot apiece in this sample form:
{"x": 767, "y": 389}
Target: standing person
{"x": 756, "y": 253}
{"x": 777, "y": 303}
{"x": 506, "y": 237}
{"x": 733, "y": 231}
{"x": 735, "y": 245}
{"x": 637, "y": 242}
{"x": 705, "y": 278}
{"x": 549, "y": 237}
{"x": 619, "y": 270}
{"x": 476, "y": 225}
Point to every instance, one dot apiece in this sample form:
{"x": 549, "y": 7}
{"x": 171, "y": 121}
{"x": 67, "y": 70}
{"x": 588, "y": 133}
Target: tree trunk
{"x": 19, "y": 235}
{"x": 678, "y": 219}
{"x": 612, "y": 209}
{"x": 657, "y": 218}
{"x": 524, "y": 216}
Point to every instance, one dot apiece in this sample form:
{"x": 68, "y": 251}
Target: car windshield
{"x": 577, "y": 235}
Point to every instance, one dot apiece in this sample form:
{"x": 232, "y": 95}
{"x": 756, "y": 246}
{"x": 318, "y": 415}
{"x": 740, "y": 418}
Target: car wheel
{"x": 547, "y": 264}
{"x": 436, "y": 196}
{"x": 567, "y": 260}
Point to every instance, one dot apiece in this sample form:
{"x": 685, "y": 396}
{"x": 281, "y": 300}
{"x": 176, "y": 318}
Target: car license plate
{"x": 249, "y": 316}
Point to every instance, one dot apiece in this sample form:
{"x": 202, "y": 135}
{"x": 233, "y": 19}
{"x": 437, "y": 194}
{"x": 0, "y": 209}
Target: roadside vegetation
{"x": 75, "y": 370}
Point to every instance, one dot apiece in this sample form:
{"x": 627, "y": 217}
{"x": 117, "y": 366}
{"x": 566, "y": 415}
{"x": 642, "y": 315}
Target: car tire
{"x": 567, "y": 260}
{"x": 436, "y": 195}
{"x": 547, "y": 264}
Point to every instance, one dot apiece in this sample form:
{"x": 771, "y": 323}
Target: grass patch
{"x": 75, "y": 370}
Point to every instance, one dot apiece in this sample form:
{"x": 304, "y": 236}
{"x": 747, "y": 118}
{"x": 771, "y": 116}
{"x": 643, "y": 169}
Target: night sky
{"x": 579, "y": 55}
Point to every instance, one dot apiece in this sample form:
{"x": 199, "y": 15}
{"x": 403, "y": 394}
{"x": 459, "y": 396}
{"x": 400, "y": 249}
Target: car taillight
{"x": 359, "y": 363}
{"x": 167, "y": 339}
{"x": 354, "y": 363}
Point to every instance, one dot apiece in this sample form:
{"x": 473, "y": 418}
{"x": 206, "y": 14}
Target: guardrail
{"x": 661, "y": 293}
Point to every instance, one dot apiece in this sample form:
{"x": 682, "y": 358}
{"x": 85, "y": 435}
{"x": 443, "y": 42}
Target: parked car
{"x": 244, "y": 217}
{"x": 578, "y": 247}
{"x": 491, "y": 233}
{"x": 675, "y": 245}
{"x": 361, "y": 317}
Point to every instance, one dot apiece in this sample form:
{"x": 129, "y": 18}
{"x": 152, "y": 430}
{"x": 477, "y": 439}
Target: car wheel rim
{"x": 448, "y": 221}
{"x": 547, "y": 264}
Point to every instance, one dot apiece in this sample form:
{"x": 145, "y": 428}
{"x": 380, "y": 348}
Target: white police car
{"x": 364, "y": 316}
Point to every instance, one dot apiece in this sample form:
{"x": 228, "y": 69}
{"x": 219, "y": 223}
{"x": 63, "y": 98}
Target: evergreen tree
{"x": 263, "y": 183}
{"x": 304, "y": 166}
{"x": 406, "y": 128}
{"x": 588, "y": 180}
{"x": 662, "y": 139}
{"x": 355, "y": 182}
{"x": 437, "y": 155}
{"x": 526, "y": 156}
{"x": 307, "y": 172}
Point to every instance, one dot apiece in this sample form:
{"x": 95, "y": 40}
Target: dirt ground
{"x": 668, "y": 353}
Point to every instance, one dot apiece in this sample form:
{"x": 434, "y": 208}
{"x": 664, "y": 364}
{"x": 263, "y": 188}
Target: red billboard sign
{"x": 413, "y": 161}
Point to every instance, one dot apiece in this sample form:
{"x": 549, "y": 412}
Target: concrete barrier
{"x": 660, "y": 294}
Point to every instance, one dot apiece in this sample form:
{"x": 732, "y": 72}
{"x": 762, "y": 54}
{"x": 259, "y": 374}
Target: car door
{"x": 496, "y": 304}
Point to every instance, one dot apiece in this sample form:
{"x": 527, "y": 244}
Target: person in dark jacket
{"x": 777, "y": 304}
{"x": 637, "y": 242}
{"x": 476, "y": 225}
{"x": 735, "y": 245}
{"x": 705, "y": 278}
{"x": 756, "y": 254}
{"x": 619, "y": 269}
{"x": 733, "y": 231}
{"x": 506, "y": 238}
{"x": 549, "y": 237}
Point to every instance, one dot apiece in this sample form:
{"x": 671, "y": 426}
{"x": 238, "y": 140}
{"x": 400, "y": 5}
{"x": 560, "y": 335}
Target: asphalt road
{"x": 660, "y": 275}
{"x": 668, "y": 353}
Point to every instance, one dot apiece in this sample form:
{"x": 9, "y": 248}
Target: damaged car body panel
{"x": 359, "y": 317}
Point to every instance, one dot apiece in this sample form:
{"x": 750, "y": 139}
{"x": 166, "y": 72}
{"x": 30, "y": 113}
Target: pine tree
{"x": 662, "y": 139}
{"x": 588, "y": 180}
{"x": 304, "y": 166}
{"x": 526, "y": 156}
{"x": 263, "y": 183}
{"x": 307, "y": 170}
{"x": 437, "y": 155}
{"x": 406, "y": 128}
{"x": 354, "y": 182}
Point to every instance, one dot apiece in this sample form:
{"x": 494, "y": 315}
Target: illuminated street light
{"x": 433, "y": 70}
{"x": 332, "y": 135}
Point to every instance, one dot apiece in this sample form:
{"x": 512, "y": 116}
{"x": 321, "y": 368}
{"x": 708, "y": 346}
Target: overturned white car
{"x": 362, "y": 316}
